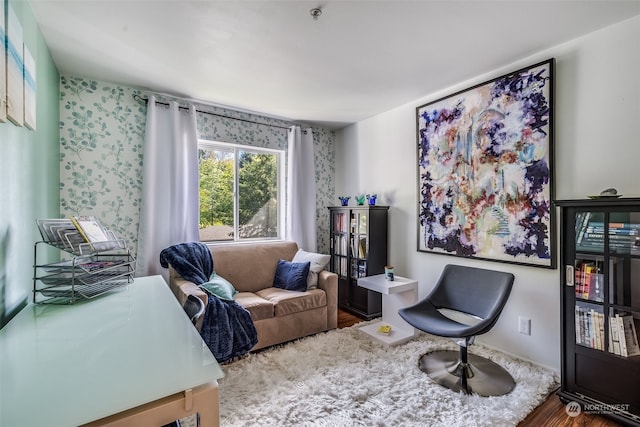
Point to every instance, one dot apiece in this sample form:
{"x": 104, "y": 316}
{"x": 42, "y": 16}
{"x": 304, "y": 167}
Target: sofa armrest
{"x": 181, "y": 288}
{"x": 328, "y": 282}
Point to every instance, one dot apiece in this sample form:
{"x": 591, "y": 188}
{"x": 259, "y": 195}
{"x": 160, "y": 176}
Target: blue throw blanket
{"x": 227, "y": 327}
{"x": 192, "y": 261}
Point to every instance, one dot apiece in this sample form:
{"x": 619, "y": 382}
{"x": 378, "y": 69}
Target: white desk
{"x": 396, "y": 294}
{"x": 132, "y": 352}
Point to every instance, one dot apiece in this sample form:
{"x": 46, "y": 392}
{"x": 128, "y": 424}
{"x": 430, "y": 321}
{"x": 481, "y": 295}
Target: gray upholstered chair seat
{"x": 481, "y": 294}
{"x": 426, "y": 317}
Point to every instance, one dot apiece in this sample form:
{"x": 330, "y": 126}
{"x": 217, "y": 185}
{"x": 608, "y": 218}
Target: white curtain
{"x": 301, "y": 189}
{"x": 170, "y": 210}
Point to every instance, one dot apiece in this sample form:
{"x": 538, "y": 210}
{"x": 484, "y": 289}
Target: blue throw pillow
{"x": 219, "y": 287}
{"x": 291, "y": 276}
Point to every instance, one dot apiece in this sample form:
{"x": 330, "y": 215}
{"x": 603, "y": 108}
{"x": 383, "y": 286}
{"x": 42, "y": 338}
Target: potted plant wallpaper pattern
{"x": 101, "y": 137}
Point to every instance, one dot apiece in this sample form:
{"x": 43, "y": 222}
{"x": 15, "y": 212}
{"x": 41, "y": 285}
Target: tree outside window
{"x": 239, "y": 192}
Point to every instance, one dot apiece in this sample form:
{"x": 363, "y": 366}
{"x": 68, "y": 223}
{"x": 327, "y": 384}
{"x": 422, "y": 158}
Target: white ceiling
{"x": 360, "y": 58}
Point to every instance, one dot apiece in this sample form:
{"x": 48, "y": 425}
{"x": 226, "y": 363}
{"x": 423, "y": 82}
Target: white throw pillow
{"x": 318, "y": 262}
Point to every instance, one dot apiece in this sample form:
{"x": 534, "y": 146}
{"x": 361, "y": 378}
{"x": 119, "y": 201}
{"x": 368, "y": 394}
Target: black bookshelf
{"x": 358, "y": 247}
{"x": 600, "y": 306}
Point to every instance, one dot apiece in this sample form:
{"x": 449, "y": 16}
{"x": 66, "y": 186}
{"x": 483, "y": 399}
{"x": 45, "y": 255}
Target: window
{"x": 240, "y": 192}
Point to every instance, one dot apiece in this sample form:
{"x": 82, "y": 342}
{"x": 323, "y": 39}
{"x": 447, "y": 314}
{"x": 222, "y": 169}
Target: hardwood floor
{"x": 347, "y": 319}
{"x": 551, "y": 413}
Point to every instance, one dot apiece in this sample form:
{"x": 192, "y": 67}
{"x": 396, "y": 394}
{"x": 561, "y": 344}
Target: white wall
{"x": 596, "y": 146}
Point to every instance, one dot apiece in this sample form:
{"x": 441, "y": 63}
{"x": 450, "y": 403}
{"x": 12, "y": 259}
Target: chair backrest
{"x": 476, "y": 291}
{"x": 194, "y": 307}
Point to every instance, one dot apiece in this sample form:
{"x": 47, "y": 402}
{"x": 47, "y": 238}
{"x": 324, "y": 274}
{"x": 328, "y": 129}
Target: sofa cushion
{"x": 220, "y": 287}
{"x": 291, "y": 275}
{"x": 251, "y": 267}
{"x": 318, "y": 262}
{"x": 259, "y": 307}
{"x": 288, "y": 302}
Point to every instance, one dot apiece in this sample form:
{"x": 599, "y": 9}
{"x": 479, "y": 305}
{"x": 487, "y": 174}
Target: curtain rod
{"x": 146, "y": 100}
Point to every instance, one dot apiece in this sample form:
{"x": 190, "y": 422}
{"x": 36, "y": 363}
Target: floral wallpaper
{"x": 101, "y": 135}
{"x": 102, "y": 130}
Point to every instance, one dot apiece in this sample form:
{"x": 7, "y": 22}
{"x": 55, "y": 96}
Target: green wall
{"x": 29, "y": 174}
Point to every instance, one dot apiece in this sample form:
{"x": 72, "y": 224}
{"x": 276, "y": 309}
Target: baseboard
{"x": 518, "y": 356}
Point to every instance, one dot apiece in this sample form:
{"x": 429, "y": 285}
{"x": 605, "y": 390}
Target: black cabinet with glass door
{"x": 600, "y": 306}
{"x": 358, "y": 248}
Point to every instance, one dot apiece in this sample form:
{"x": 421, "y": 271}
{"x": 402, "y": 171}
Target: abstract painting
{"x": 15, "y": 69}
{"x": 3, "y": 64}
{"x": 485, "y": 166}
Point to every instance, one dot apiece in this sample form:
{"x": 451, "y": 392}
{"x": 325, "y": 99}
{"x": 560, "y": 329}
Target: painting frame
{"x": 485, "y": 170}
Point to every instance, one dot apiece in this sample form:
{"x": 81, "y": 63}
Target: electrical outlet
{"x": 524, "y": 325}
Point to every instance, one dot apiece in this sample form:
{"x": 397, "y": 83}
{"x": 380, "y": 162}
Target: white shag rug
{"x": 345, "y": 378}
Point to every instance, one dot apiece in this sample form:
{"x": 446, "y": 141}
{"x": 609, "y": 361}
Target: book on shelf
{"x": 614, "y": 337}
{"x": 340, "y": 222}
{"x": 582, "y": 222}
{"x": 362, "y": 247}
{"x": 614, "y": 226}
{"x": 627, "y": 335}
{"x": 623, "y": 338}
{"x": 340, "y": 246}
{"x": 589, "y": 270}
{"x": 599, "y": 330}
{"x": 596, "y": 287}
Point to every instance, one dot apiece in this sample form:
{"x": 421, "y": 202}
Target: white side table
{"x": 396, "y": 294}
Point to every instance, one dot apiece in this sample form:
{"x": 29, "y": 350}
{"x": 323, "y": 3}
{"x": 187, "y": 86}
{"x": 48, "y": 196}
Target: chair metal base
{"x": 479, "y": 375}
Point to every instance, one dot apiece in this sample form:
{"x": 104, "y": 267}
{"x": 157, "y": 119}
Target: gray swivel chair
{"x": 472, "y": 293}
{"x": 194, "y": 307}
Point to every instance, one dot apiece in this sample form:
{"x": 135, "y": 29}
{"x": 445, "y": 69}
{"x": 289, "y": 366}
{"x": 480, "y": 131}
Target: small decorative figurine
{"x": 344, "y": 200}
{"x": 360, "y": 199}
{"x": 372, "y": 199}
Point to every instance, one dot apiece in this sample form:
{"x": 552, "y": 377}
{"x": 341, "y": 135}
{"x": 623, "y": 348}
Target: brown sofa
{"x": 279, "y": 315}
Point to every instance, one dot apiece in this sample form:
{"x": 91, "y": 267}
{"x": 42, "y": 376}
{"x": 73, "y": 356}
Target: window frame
{"x": 205, "y": 144}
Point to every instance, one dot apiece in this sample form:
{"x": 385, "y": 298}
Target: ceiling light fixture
{"x": 315, "y": 12}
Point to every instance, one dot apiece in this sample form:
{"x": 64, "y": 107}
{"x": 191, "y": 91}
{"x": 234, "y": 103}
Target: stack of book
{"x": 623, "y": 236}
{"x": 623, "y": 339}
{"x": 589, "y": 327}
{"x": 589, "y": 281}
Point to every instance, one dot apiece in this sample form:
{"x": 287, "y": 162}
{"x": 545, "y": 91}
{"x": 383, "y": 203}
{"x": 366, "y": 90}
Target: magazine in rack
{"x": 93, "y": 261}
{"x": 94, "y": 234}
{"x": 79, "y": 235}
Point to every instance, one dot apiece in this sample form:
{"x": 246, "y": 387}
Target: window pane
{"x": 257, "y": 195}
{"x": 216, "y": 194}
